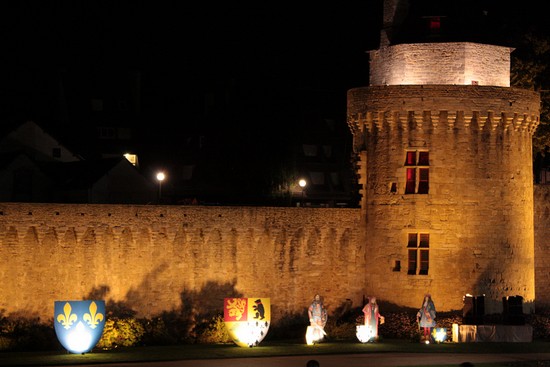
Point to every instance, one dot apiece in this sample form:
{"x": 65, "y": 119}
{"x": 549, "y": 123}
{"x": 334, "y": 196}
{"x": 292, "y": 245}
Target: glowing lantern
{"x": 79, "y": 324}
{"x": 364, "y": 333}
{"x": 247, "y": 319}
{"x": 439, "y": 334}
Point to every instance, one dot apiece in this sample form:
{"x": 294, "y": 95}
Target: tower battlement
{"x": 442, "y": 107}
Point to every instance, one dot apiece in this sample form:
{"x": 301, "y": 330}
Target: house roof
{"x": 84, "y": 174}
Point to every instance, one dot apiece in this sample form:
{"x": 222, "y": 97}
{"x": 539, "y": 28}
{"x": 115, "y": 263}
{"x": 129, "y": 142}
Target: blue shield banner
{"x": 79, "y": 324}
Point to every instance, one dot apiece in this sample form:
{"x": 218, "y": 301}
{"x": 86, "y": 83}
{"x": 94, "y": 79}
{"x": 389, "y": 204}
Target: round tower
{"x": 445, "y": 165}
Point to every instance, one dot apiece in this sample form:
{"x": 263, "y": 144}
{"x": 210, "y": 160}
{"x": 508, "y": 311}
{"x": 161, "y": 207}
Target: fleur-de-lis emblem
{"x": 236, "y": 307}
{"x": 67, "y": 318}
{"x": 93, "y": 318}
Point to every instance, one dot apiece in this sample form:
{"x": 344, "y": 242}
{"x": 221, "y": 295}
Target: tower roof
{"x": 420, "y": 21}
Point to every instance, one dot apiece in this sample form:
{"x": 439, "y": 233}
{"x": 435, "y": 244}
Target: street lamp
{"x": 160, "y": 178}
{"x": 303, "y": 184}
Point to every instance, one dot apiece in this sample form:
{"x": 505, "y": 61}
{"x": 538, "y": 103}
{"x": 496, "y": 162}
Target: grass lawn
{"x": 265, "y": 349}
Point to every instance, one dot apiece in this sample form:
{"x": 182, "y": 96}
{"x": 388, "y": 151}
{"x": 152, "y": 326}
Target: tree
{"x": 530, "y": 70}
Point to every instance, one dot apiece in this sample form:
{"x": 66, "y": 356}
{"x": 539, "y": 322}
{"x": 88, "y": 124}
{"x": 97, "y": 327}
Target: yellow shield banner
{"x": 247, "y": 319}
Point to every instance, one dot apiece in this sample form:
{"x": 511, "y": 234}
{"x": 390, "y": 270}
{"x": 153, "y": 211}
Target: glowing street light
{"x": 160, "y": 177}
{"x": 302, "y": 183}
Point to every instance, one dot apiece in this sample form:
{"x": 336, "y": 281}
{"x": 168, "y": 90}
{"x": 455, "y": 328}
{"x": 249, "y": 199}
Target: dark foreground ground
{"x": 270, "y": 354}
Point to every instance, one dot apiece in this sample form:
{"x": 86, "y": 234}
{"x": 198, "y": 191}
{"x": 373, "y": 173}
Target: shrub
{"x": 117, "y": 332}
{"x": 340, "y": 330}
{"x": 398, "y": 325}
{"x": 169, "y": 328}
{"x": 213, "y": 332}
{"x": 157, "y": 333}
{"x": 6, "y": 343}
{"x": 540, "y": 324}
{"x": 27, "y": 334}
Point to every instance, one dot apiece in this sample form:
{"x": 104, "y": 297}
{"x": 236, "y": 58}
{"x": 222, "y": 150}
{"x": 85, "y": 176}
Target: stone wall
{"x": 542, "y": 245}
{"x": 478, "y": 211}
{"x": 162, "y": 258}
{"x": 458, "y": 63}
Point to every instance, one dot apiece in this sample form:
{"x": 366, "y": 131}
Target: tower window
{"x": 397, "y": 266}
{"x": 435, "y": 24}
{"x": 417, "y": 172}
{"x": 418, "y": 248}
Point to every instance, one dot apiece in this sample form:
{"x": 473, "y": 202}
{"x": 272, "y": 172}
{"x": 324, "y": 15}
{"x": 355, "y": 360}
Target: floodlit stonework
{"x": 465, "y": 197}
{"x": 444, "y": 159}
{"x": 154, "y": 259}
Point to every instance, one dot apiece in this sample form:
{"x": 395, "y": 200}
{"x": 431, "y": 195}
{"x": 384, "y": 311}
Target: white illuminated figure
{"x": 372, "y": 318}
{"x": 317, "y": 319}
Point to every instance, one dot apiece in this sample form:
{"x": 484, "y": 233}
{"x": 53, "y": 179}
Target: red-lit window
{"x": 435, "y": 24}
{"x": 417, "y": 171}
{"x": 411, "y": 181}
{"x": 418, "y": 251}
{"x": 412, "y": 253}
{"x": 411, "y": 159}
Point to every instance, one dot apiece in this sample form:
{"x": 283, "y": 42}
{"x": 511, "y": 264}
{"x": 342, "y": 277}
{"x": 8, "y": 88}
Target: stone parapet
{"x": 439, "y": 106}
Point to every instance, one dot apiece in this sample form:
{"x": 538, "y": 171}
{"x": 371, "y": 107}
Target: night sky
{"x": 246, "y": 76}
{"x": 177, "y": 48}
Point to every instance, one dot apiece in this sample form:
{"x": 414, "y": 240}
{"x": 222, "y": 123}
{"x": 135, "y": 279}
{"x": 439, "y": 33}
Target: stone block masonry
{"x": 542, "y": 245}
{"x": 476, "y": 211}
{"x": 155, "y": 258}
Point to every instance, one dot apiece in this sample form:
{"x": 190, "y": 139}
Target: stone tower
{"x": 443, "y": 145}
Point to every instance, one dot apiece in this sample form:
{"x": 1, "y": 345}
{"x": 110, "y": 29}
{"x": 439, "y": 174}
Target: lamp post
{"x": 303, "y": 184}
{"x": 160, "y": 178}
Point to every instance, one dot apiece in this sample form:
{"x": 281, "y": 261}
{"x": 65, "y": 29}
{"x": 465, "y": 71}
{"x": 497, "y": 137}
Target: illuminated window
{"x": 132, "y": 158}
{"x": 417, "y": 172}
{"x": 435, "y": 24}
{"x": 418, "y": 248}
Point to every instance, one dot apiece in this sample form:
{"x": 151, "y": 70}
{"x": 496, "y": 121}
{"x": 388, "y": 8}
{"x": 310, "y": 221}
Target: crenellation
{"x": 417, "y": 119}
{"x": 392, "y": 119}
{"x": 482, "y": 120}
{"x": 467, "y": 119}
{"x": 435, "y": 117}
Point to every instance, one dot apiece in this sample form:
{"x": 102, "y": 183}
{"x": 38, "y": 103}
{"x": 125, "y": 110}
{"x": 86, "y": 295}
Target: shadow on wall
{"x": 199, "y": 313}
{"x": 197, "y": 307}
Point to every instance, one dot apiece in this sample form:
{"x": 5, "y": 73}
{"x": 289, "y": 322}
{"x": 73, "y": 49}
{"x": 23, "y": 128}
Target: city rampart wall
{"x": 162, "y": 258}
{"x": 152, "y": 259}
